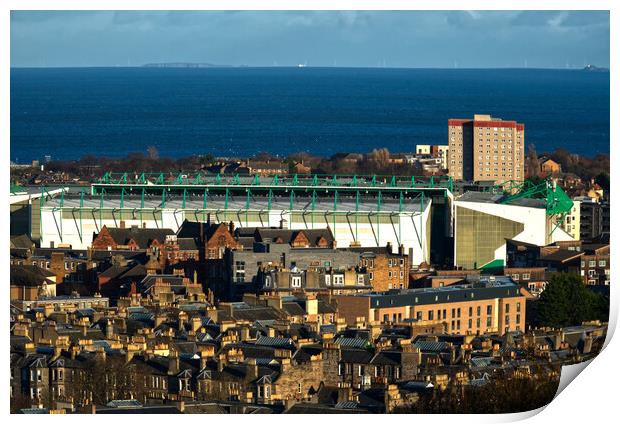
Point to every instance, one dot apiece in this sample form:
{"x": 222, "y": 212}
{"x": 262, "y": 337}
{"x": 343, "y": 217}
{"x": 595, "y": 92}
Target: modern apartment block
{"x": 490, "y": 304}
{"x": 486, "y": 149}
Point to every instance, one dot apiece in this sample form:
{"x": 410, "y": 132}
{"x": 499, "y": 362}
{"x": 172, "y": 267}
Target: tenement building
{"x": 486, "y": 305}
{"x": 486, "y": 149}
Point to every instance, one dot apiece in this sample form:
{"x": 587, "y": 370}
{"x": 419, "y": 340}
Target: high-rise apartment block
{"x": 486, "y": 149}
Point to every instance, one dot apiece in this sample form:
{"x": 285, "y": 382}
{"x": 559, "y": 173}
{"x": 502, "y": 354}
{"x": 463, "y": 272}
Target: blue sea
{"x": 71, "y": 112}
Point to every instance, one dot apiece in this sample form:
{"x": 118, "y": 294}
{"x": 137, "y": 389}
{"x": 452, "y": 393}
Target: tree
{"x": 505, "y": 392}
{"x": 531, "y": 162}
{"x": 153, "y": 152}
{"x": 566, "y": 301}
{"x": 602, "y": 179}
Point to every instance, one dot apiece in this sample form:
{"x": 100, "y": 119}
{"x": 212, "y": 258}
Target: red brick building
{"x": 132, "y": 238}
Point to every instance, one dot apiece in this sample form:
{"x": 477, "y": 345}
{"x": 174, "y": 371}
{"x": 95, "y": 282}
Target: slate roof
{"x": 351, "y": 342}
{"x": 287, "y": 235}
{"x": 356, "y": 356}
{"x": 187, "y": 243}
{"x": 29, "y": 275}
{"x": 142, "y": 236}
{"x": 191, "y": 230}
{"x": 293, "y": 309}
{"x": 387, "y": 358}
{"x": 430, "y": 346}
{"x": 561, "y": 255}
{"x": 21, "y": 241}
{"x": 274, "y": 341}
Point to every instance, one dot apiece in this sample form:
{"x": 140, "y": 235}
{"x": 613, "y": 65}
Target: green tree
{"x": 566, "y": 301}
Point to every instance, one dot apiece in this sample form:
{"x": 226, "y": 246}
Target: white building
{"x": 483, "y": 224}
{"x": 365, "y": 223}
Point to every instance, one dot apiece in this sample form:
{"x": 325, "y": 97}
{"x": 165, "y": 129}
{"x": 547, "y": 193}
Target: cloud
{"x": 350, "y": 38}
{"x": 585, "y": 18}
{"x": 561, "y": 19}
{"x": 534, "y": 18}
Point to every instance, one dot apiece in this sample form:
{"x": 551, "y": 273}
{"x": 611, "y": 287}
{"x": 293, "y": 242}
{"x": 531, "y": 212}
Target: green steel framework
{"x": 331, "y": 182}
{"x": 557, "y": 202}
{"x": 148, "y": 184}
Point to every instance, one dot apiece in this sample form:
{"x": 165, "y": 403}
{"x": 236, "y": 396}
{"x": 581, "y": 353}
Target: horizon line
{"x": 600, "y": 68}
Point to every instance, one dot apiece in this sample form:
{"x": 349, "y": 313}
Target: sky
{"x": 414, "y": 39}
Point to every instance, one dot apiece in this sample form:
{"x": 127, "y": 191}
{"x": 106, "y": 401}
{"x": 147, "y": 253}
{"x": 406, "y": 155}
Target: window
{"x": 268, "y": 281}
{"x": 478, "y": 311}
{"x": 338, "y": 279}
{"x": 518, "y": 306}
{"x": 518, "y": 319}
{"x": 296, "y": 281}
{"x": 299, "y": 388}
{"x": 507, "y": 307}
{"x": 370, "y": 276}
{"x": 478, "y": 323}
{"x": 591, "y": 264}
{"x": 469, "y": 324}
{"x": 471, "y": 311}
{"x": 602, "y": 263}
{"x": 360, "y": 370}
{"x": 430, "y": 315}
{"x": 239, "y": 271}
{"x": 489, "y": 309}
{"x": 489, "y": 321}
{"x": 328, "y": 279}
{"x": 526, "y": 276}
{"x": 340, "y": 368}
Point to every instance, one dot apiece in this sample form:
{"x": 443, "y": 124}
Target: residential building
{"x": 440, "y": 151}
{"x": 491, "y": 304}
{"x": 572, "y": 221}
{"x": 591, "y": 219}
{"x": 595, "y": 264}
{"x": 486, "y": 149}
{"x": 549, "y": 167}
{"x": 387, "y": 269}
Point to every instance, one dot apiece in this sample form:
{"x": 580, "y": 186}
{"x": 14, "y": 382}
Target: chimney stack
{"x": 196, "y": 323}
{"x": 109, "y": 329}
{"x": 203, "y": 360}
{"x": 173, "y": 363}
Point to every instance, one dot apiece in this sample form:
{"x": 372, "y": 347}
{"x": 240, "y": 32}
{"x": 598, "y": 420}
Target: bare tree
{"x": 153, "y": 152}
